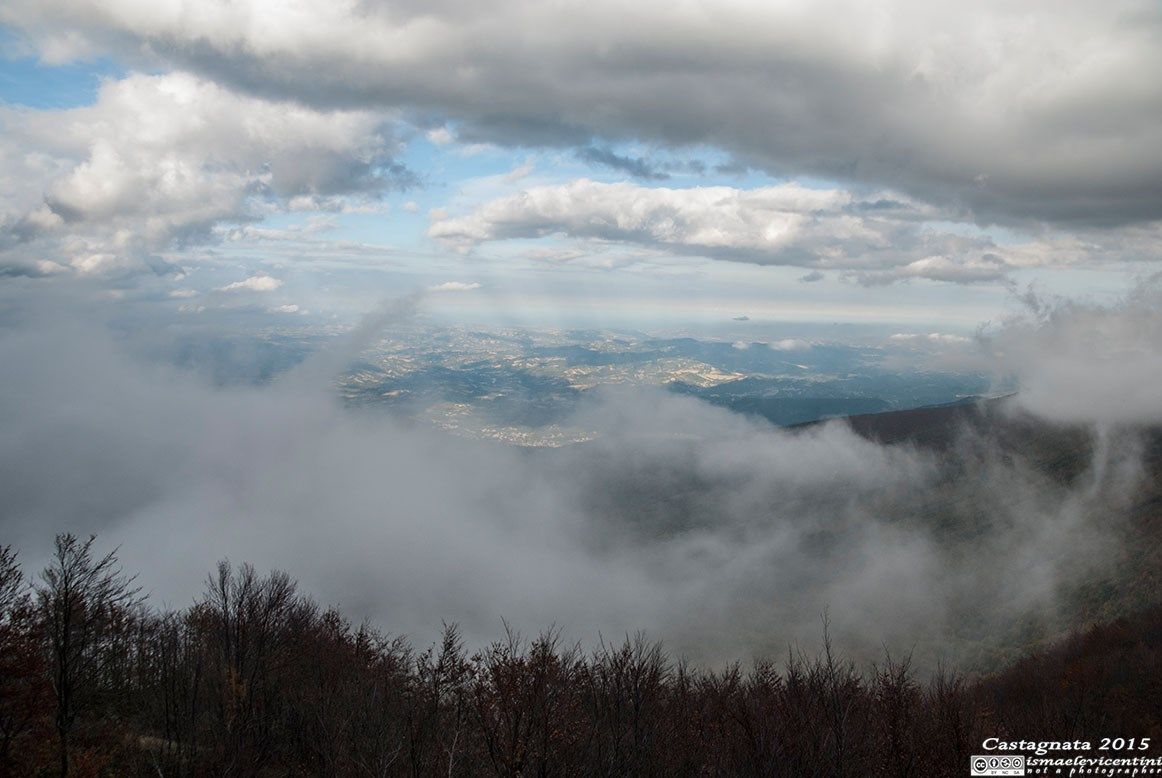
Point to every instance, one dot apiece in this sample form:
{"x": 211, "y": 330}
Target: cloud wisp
{"x": 258, "y": 283}
{"x": 455, "y": 286}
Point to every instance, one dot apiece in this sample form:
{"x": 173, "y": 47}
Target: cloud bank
{"x": 1037, "y": 110}
{"x": 878, "y": 238}
{"x": 720, "y": 535}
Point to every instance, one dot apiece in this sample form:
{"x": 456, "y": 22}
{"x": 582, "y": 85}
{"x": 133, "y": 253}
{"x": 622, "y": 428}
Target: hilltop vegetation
{"x": 256, "y": 679}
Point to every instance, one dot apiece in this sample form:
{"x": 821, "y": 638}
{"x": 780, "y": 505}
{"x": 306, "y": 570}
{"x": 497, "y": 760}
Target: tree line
{"x": 255, "y": 679}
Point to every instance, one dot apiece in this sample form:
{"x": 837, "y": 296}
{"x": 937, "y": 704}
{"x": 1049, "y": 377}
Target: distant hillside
{"x": 1005, "y": 486}
{"x": 1063, "y": 454}
{"x": 1062, "y": 450}
{"x": 933, "y": 426}
{"x": 788, "y": 401}
{"x": 790, "y": 411}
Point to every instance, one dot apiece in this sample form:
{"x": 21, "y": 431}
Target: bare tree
{"x": 255, "y": 679}
{"x": 21, "y": 671}
{"x": 12, "y": 588}
{"x": 249, "y": 622}
{"x": 82, "y": 599}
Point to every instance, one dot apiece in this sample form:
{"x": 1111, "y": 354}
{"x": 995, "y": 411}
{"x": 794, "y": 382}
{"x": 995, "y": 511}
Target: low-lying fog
{"x": 720, "y": 535}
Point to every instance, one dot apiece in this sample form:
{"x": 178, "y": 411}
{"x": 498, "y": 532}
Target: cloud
{"x": 1030, "y": 110}
{"x": 679, "y": 518}
{"x": 258, "y": 283}
{"x": 634, "y": 166}
{"x": 454, "y": 286}
{"x": 519, "y": 172}
{"x": 984, "y": 268}
{"x": 790, "y": 344}
{"x": 876, "y": 238}
{"x": 1083, "y": 362}
{"x": 158, "y": 161}
{"x": 930, "y": 339}
{"x": 440, "y": 136}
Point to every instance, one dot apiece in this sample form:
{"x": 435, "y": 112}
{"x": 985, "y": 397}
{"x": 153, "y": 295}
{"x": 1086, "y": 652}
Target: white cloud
{"x": 931, "y": 337}
{"x": 708, "y": 217}
{"x": 440, "y": 136}
{"x": 48, "y": 268}
{"x": 983, "y": 267}
{"x": 519, "y": 173}
{"x": 159, "y": 160}
{"x": 454, "y": 286}
{"x": 258, "y": 283}
{"x": 877, "y": 237}
{"x": 790, "y": 344}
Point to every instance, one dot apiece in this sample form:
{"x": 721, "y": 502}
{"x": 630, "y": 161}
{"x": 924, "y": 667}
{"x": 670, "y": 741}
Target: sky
{"x": 898, "y": 163}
